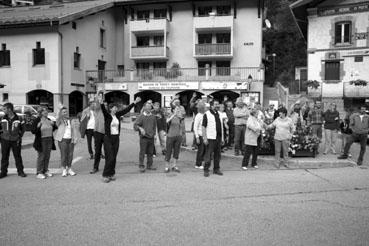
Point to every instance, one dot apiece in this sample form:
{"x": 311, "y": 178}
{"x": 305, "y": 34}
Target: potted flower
{"x": 359, "y": 82}
{"x": 313, "y": 84}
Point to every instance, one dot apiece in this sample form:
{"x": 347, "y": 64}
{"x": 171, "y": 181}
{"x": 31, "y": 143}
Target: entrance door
{"x": 101, "y": 68}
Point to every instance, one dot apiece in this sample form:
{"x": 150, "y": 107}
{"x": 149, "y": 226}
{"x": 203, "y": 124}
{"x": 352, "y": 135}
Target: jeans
{"x": 90, "y": 135}
{"x": 184, "y": 139}
{"x": 239, "y": 136}
{"x": 356, "y": 137}
{"x": 111, "y": 147}
{"x": 213, "y": 149}
{"x": 330, "y": 140}
{"x": 43, "y": 157}
{"x": 200, "y": 152}
{"x": 250, "y": 150}
{"x": 231, "y": 134}
{"x": 173, "y": 145}
{"x": 146, "y": 147}
{"x": 317, "y": 130}
{"x": 99, "y": 140}
{"x": 15, "y": 146}
{"x": 162, "y": 140}
{"x": 281, "y": 145}
{"x": 66, "y": 152}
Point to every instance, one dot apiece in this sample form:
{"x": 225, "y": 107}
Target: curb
{"x": 293, "y": 164}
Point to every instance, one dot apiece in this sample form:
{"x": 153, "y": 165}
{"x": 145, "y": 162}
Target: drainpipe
{"x": 61, "y": 68}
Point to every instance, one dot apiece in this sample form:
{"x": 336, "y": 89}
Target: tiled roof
{"x": 60, "y": 13}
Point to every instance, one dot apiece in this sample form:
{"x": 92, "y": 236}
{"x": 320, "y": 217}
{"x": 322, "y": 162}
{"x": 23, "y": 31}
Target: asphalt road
{"x": 256, "y": 207}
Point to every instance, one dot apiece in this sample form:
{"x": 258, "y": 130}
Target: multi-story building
{"x": 152, "y": 49}
{"x": 338, "y": 48}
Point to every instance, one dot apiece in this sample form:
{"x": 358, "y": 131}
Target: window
{"x": 5, "y": 97}
{"x": 102, "y": 38}
{"x": 205, "y": 10}
{"x": 4, "y": 56}
{"x": 223, "y": 68}
{"x": 143, "y": 14}
{"x": 224, "y": 10}
{"x": 223, "y": 38}
{"x": 143, "y": 41}
{"x": 205, "y": 38}
{"x": 343, "y": 33}
{"x": 38, "y": 55}
{"x": 202, "y": 67}
{"x": 77, "y": 58}
{"x": 160, "y": 13}
{"x": 74, "y": 25}
{"x": 159, "y": 40}
{"x": 359, "y": 58}
{"x": 160, "y": 68}
{"x": 332, "y": 70}
{"x": 142, "y": 68}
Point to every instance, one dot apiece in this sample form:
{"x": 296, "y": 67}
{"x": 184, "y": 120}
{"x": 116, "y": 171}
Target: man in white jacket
{"x": 212, "y": 131}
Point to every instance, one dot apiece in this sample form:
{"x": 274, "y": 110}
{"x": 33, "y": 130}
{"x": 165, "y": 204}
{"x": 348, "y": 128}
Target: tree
{"x": 285, "y": 40}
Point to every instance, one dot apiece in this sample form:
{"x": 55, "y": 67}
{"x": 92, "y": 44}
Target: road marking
{"x": 33, "y": 170}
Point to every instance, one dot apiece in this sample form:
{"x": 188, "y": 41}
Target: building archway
{"x": 75, "y": 103}
{"x": 119, "y": 97}
{"x": 185, "y": 98}
{"x": 145, "y": 96}
{"x": 41, "y": 97}
{"x": 219, "y": 95}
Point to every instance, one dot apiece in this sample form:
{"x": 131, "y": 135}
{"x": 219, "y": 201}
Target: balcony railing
{"x": 149, "y": 51}
{"x": 177, "y": 74}
{"x": 213, "y": 49}
{"x": 149, "y": 25}
{"x": 355, "y": 91}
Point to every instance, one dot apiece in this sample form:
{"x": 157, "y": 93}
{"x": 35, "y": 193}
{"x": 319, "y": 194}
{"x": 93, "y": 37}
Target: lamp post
{"x": 274, "y": 55}
{"x": 249, "y": 81}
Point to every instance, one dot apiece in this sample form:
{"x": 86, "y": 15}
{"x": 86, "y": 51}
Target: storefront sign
{"x": 112, "y": 86}
{"x": 343, "y": 9}
{"x": 168, "y": 86}
{"x": 225, "y": 85}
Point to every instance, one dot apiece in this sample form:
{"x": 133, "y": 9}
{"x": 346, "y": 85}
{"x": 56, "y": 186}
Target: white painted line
{"x": 77, "y": 159}
{"x": 33, "y": 170}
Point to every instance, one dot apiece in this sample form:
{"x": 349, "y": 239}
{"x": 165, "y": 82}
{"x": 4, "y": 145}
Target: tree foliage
{"x": 285, "y": 40}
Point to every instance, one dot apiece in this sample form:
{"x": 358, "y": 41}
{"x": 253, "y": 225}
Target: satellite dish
{"x": 268, "y": 24}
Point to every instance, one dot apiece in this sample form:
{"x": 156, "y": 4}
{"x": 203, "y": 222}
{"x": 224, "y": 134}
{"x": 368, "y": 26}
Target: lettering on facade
{"x": 225, "y": 85}
{"x": 343, "y": 9}
{"x": 248, "y": 43}
{"x": 168, "y": 86}
{"x": 112, "y": 86}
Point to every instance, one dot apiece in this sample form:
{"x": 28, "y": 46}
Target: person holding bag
{"x": 43, "y": 129}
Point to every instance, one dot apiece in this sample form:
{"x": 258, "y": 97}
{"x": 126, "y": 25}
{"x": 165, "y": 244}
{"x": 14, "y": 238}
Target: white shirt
{"x": 197, "y": 125}
{"x": 361, "y": 117}
{"x": 68, "y": 130}
{"x": 222, "y": 116}
{"x": 114, "y": 126}
{"x": 91, "y": 121}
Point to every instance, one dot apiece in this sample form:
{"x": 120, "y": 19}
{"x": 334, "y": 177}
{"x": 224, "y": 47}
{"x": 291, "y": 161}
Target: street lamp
{"x": 274, "y": 55}
{"x": 249, "y": 81}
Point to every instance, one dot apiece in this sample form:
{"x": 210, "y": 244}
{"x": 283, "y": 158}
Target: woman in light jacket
{"x": 253, "y": 131}
{"x": 67, "y": 135}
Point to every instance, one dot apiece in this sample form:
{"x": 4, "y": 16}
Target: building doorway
{"x": 222, "y": 94}
{"x": 145, "y": 96}
{"x": 42, "y": 98}
{"x": 118, "y": 97}
{"x": 75, "y": 103}
{"x": 185, "y": 98}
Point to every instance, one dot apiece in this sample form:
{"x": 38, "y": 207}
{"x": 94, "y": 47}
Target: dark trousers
{"x": 43, "y": 157}
{"x": 250, "y": 150}
{"x": 15, "y": 146}
{"x": 173, "y": 146}
{"x": 90, "y": 135}
{"x": 66, "y": 152}
{"x": 356, "y": 137}
{"x": 213, "y": 149}
{"x": 239, "y": 136}
{"x": 200, "y": 152}
{"x": 146, "y": 147}
{"x": 231, "y": 135}
{"x": 111, "y": 147}
{"x": 99, "y": 141}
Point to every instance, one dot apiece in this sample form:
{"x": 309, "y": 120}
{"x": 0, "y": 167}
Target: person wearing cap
{"x": 241, "y": 113}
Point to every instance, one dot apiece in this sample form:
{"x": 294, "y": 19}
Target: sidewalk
{"x": 320, "y": 161}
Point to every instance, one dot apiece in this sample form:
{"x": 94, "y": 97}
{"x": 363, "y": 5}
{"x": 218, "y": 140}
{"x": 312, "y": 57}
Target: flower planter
{"x": 303, "y": 153}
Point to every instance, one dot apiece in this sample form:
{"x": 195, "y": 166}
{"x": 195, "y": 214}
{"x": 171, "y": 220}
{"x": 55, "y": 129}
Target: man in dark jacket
{"x": 12, "y": 130}
{"x": 359, "y": 124}
{"x": 161, "y": 123}
{"x": 331, "y": 121}
{"x": 230, "y": 116}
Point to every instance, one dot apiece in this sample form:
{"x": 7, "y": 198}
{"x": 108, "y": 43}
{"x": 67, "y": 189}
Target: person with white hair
{"x": 201, "y": 107}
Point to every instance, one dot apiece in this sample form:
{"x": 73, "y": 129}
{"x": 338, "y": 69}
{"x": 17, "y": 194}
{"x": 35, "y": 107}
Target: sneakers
{"x": 64, "y": 172}
{"x": 48, "y": 174}
{"x": 256, "y": 167}
{"x": 151, "y": 168}
{"x": 106, "y": 179}
{"x": 218, "y": 172}
{"x": 93, "y": 171}
{"x": 41, "y": 176}
{"x": 71, "y": 172}
{"x": 206, "y": 173}
{"x": 342, "y": 157}
{"x": 142, "y": 169}
{"x": 244, "y": 168}
{"x": 197, "y": 167}
{"x": 167, "y": 170}
{"x": 22, "y": 175}
{"x": 176, "y": 169}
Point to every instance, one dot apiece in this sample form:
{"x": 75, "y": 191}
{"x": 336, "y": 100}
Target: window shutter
{"x": 34, "y": 56}
{"x": 1, "y": 58}
{"x": 6, "y": 58}
{"x": 338, "y": 33}
{"x": 347, "y": 33}
{"x": 332, "y": 70}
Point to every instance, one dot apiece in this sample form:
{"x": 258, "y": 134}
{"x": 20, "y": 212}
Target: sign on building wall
{"x": 112, "y": 86}
{"x": 360, "y": 7}
{"x": 168, "y": 86}
{"x": 213, "y": 85}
